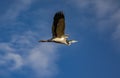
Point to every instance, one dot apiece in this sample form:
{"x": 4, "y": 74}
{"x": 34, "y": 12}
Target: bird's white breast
{"x": 59, "y": 39}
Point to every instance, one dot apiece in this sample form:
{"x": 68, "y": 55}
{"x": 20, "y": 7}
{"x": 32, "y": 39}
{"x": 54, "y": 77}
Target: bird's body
{"x": 58, "y": 28}
{"x": 62, "y": 40}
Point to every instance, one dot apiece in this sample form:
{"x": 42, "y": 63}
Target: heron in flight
{"x": 58, "y": 30}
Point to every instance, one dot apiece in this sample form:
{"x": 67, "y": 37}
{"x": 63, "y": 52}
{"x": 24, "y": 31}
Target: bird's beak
{"x": 74, "y": 41}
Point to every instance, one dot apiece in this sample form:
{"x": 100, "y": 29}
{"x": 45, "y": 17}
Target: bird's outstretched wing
{"x": 58, "y": 26}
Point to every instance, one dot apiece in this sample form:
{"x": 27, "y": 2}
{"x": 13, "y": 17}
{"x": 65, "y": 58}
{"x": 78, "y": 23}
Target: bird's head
{"x": 69, "y": 42}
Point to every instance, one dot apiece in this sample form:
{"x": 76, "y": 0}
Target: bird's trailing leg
{"x": 44, "y": 40}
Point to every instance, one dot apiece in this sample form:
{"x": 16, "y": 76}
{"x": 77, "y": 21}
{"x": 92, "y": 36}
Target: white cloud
{"x": 116, "y": 34}
{"x": 42, "y": 58}
{"x": 15, "y": 9}
{"x": 6, "y": 47}
{"x": 116, "y": 18}
{"x": 101, "y": 7}
{"x": 106, "y": 19}
{"x": 81, "y": 3}
{"x": 107, "y": 12}
{"x": 25, "y": 50}
{"x": 16, "y": 59}
{"x": 104, "y": 7}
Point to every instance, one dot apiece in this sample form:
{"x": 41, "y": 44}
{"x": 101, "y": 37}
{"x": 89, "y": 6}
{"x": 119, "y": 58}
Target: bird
{"x": 58, "y": 30}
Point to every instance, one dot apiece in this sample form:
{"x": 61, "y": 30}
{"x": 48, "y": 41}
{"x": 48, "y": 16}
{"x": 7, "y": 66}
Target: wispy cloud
{"x": 22, "y": 50}
{"x": 101, "y": 7}
{"x": 25, "y": 50}
{"x": 42, "y": 58}
{"x": 116, "y": 36}
{"x": 105, "y": 7}
{"x": 6, "y": 47}
{"x": 15, "y": 60}
{"x": 106, "y": 16}
{"x": 15, "y": 9}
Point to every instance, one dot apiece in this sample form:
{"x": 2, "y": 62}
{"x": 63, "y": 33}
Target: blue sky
{"x": 93, "y": 23}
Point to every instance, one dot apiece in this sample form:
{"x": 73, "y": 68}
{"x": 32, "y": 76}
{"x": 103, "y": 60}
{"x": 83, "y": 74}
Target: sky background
{"x": 95, "y": 24}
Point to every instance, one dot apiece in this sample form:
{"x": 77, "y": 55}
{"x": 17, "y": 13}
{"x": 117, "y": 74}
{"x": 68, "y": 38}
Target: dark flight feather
{"x": 58, "y": 26}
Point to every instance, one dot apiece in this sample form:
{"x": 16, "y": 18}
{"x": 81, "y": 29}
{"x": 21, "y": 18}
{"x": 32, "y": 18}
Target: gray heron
{"x": 58, "y": 30}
